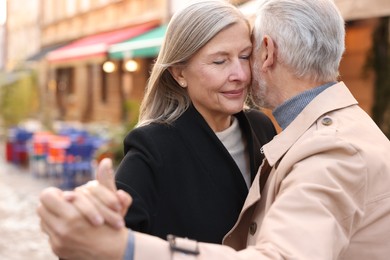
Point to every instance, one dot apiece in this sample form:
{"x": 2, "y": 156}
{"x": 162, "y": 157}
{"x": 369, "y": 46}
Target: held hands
{"x": 99, "y": 200}
{"x": 74, "y": 220}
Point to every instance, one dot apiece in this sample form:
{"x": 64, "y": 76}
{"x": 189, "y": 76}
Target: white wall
{"x": 23, "y": 31}
{"x": 2, "y": 47}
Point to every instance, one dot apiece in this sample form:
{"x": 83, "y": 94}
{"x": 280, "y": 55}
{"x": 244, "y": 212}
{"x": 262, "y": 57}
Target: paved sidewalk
{"x": 20, "y": 234}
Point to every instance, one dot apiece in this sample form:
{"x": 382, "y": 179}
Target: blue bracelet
{"x": 129, "y": 253}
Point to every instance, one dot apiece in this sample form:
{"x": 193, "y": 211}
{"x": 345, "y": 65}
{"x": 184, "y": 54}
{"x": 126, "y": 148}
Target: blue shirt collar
{"x": 289, "y": 110}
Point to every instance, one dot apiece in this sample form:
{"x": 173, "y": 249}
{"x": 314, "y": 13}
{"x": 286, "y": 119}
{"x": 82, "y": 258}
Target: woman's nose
{"x": 240, "y": 71}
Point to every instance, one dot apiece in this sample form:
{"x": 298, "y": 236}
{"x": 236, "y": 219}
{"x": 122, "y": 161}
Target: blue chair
{"x": 19, "y": 138}
{"x": 79, "y": 165}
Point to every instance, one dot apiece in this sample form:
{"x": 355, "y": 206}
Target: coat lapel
{"x": 211, "y": 153}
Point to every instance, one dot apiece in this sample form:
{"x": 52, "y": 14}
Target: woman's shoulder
{"x": 261, "y": 124}
{"x": 152, "y": 138}
{"x": 258, "y": 117}
{"x": 152, "y": 132}
{"x": 256, "y": 114}
{"x": 153, "y": 128}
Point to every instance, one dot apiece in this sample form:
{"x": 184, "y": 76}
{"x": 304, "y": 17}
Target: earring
{"x": 182, "y": 84}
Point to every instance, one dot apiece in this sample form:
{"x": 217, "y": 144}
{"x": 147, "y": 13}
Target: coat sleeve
{"x": 136, "y": 174}
{"x": 150, "y": 248}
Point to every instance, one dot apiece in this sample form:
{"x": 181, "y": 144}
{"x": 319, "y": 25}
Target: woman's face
{"x": 218, "y": 75}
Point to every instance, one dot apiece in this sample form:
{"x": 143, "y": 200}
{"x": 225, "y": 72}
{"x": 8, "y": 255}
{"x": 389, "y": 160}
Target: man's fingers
{"x": 87, "y": 208}
{"x": 69, "y": 196}
{"x": 102, "y": 194}
{"x": 43, "y": 214}
{"x": 105, "y": 174}
{"x": 54, "y": 226}
{"x": 95, "y": 211}
{"x": 125, "y": 200}
{"x": 52, "y": 200}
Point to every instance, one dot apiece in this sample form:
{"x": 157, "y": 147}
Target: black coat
{"x": 183, "y": 180}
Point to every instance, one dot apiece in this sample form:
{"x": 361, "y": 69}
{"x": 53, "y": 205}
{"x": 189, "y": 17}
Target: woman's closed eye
{"x": 222, "y": 61}
{"x": 219, "y": 62}
{"x": 245, "y": 57}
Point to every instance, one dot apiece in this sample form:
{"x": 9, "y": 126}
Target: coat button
{"x": 252, "y": 228}
{"x": 327, "y": 121}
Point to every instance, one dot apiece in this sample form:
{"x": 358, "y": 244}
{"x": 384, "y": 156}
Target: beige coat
{"x": 327, "y": 196}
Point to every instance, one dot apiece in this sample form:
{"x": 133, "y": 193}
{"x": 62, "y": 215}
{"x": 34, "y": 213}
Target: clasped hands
{"x": 86, "y": 223}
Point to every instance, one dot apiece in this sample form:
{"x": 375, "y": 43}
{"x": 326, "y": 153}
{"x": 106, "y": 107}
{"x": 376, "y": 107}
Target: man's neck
{"x": 289, "y": 110}
{"x": 291, "y": 86}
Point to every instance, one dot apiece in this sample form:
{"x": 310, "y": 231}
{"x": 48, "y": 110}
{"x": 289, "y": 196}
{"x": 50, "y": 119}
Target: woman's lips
{"x": 233, "y": 93}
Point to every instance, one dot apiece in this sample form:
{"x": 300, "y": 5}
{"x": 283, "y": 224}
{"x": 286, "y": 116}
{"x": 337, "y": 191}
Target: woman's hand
{"x": 99, "y": 201}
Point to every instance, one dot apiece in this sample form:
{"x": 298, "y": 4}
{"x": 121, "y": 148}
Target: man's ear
{"x": 177, "y": 74}
{"x": 268, "y": 52}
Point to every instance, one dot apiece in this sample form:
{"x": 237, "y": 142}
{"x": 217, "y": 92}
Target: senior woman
{"x": 196, "y": 150}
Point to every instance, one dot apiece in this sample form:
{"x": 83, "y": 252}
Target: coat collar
{"x": 210, "y": 151}
{"x": 335, "y": 97}
{"x": 192, "y": 119}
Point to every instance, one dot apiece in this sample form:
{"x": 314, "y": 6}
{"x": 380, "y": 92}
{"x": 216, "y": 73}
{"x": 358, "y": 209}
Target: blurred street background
{"x": 73, "y": 74}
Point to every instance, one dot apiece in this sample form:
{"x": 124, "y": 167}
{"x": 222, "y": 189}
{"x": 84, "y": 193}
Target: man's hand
{"x": 72, "y": 236}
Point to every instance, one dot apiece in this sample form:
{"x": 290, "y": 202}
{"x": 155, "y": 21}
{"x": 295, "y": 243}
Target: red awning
{"x": 97, "y": 45}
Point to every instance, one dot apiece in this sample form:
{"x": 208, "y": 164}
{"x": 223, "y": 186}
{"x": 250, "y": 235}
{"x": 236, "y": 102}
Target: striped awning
{"x": 145, "y": 45}
{"x": 98, "y": 44}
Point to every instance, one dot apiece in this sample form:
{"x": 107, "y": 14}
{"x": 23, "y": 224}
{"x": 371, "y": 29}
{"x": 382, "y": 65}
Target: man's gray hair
{"x": 309, "y": 35}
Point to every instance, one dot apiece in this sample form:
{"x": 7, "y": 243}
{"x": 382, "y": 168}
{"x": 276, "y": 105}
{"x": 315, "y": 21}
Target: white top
{"x": 234, "y": 141}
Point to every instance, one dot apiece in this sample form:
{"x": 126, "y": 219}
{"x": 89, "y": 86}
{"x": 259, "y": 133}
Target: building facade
{"x": 80, "y": 86}
{"x": 85, "y": 83}
{"x": 82, "y": 49}
{"x": 3, "y": 19}
{"x": 22, "y": 32}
